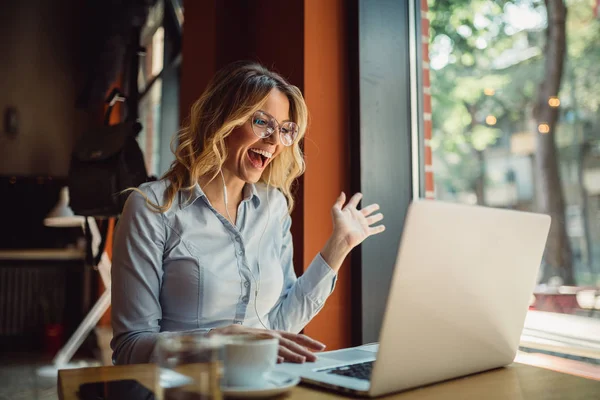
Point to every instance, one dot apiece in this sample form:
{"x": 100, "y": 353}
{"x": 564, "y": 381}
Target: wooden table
{"x": 517, "y": 381}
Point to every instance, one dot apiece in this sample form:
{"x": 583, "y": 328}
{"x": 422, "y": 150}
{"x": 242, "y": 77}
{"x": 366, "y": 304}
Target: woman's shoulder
{"x": 157, "y": 187}
{"x": 153, "y": 192}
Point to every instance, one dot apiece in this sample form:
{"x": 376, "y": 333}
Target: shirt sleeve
{"x": 136, "y": 275}
{"x": 302, "y": 298}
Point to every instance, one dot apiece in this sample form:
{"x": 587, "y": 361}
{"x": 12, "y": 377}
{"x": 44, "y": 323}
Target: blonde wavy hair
{"x": 232, "y": 96}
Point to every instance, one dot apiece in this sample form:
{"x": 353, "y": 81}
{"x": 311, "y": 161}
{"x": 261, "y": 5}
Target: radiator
{"x": 30, "y": 297}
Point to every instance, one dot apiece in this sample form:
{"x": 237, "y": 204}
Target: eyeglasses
{"x": 264, "y": 125}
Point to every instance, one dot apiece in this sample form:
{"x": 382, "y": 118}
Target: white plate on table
{"x": 277, "y": 383}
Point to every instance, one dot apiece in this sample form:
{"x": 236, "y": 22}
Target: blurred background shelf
{"x": 42, "y": 254}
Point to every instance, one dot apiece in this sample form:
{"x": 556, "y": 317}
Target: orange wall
{"x": 326, "y": 92}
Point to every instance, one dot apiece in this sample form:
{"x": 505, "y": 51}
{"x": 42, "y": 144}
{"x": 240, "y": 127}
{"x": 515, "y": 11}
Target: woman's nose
{"x": 273, "y": 137}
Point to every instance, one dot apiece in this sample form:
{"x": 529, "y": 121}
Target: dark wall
{"x": 24, "y": 203}
{"x": 40, "y": 75}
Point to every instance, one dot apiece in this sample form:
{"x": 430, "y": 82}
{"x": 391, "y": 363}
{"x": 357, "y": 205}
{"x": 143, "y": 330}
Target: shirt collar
{"x": 249, "y": 193}
{"x": 188, "y": 197}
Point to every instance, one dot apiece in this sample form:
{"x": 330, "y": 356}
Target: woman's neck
{"x": 214, "y": 189}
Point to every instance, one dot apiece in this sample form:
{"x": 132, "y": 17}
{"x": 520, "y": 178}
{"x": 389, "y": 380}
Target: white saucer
{"x": 277, "y": 383}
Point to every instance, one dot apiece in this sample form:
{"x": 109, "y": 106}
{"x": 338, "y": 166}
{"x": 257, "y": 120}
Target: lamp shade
{"x": 61, "y": 216}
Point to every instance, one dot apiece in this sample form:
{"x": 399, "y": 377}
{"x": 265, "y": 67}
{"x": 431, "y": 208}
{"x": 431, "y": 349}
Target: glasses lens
{"x": 262, "y": 125}
{"x": 289, "y": 133}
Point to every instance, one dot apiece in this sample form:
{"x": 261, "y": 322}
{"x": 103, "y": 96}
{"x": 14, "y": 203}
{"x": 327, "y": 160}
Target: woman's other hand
{"x": 292, "y": 347}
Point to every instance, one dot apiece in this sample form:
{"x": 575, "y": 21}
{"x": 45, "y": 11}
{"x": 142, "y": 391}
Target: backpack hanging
{"x": 105, "y": 161}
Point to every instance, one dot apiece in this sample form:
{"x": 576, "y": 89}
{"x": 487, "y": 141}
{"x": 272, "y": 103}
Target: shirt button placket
{"x": 238, "y": 239}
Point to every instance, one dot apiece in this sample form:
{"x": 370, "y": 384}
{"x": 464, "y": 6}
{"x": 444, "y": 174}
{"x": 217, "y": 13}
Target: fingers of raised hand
{"x": 374, "y": 218}
{"x": 376, "y": 229}
{"x": 339, "y": 202}
{"x": 354, "y": 200}
{"x": 370, "y": 209}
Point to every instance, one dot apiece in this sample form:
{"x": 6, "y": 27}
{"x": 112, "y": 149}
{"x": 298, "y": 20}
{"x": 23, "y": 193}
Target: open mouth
{"x": 259, "y": 158}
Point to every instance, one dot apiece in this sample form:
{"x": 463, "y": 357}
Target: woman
{"x": 208, "y": 247}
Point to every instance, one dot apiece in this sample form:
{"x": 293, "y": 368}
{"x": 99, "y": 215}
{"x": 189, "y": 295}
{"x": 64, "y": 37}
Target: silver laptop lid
{"x": 459, "y": 294}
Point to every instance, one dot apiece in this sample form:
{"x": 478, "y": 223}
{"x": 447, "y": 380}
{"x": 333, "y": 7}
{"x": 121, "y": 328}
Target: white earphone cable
{"x": 258, "y": 265}
{"x": 256, "y": 281}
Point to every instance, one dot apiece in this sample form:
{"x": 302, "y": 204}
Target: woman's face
{"x": 248, "y": 154}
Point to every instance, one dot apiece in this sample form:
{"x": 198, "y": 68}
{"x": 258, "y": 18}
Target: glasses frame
{"x": 272, "y": 126}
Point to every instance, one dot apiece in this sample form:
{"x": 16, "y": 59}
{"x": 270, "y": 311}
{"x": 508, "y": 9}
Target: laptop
{"x": 461, "y": 287}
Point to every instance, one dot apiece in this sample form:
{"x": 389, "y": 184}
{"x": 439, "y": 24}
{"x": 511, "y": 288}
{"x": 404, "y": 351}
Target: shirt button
{"x": 241, "y": 252}
{"x": 246, "y": 284}
{"x": 245, "y": 299}
{"x": 238, "y": 322}
{"x": 238, "y": 239}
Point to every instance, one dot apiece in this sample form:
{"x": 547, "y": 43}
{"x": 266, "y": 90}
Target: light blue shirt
{"x": 190, "y": 269}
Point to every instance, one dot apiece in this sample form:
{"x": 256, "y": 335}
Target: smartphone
{"x": 125, "y": 389}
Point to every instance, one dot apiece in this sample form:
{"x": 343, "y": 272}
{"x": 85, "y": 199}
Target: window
{"x": 510, "y": 131}
{"x": 158, "y": 80}
{"x": 150, "y": 67}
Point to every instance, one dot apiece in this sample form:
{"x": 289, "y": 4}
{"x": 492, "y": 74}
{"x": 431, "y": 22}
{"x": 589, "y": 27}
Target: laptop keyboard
{"x": 359, "y": 371}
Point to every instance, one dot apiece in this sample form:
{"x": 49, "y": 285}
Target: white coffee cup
{"x": 248, "y": 358}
